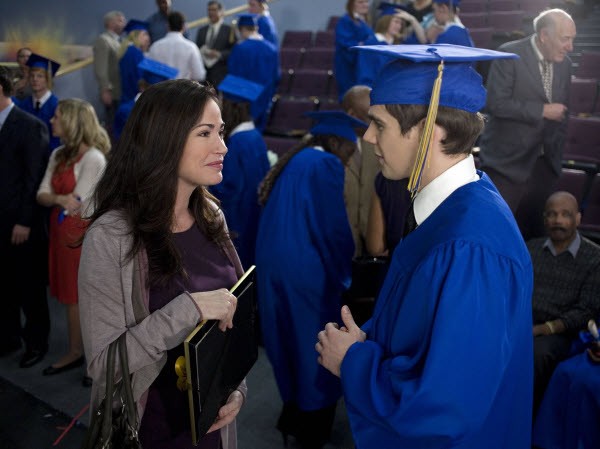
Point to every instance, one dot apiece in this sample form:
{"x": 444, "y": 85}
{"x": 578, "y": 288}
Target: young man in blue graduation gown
{"x": 245, "y": 165}
{"x": 256, "y": 59}
{"x": 304, "y": 251}
{"x": 266, "y": 24}
{"x": 446, "y": 359}
{"x": 42, "y": 102}
{"x": 443, "y": 26}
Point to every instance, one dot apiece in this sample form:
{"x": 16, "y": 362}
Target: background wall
{"x": 80, "y": 21}
{"x": 46, "y": 25}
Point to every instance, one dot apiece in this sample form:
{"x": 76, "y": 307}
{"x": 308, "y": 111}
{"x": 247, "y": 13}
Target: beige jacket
{"x": 113, "y": 299}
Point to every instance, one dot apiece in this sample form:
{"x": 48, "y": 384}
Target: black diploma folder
{"x": 216, "y": 362}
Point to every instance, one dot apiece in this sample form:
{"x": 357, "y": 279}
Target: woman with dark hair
{"x": 157, "y": 258}
{"x": 304, "y": 252}
{"x": 246, "y": 164}
{"x": 351, "y": 29}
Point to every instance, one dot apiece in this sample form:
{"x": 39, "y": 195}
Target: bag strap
{"x": 130, "y": 407}
{"x": 110, "y": 389}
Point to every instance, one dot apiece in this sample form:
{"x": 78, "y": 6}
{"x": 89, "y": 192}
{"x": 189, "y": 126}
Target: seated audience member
{"x": 23, "y": 239}
{"x": 215, "y": 42}
{"x": 266, "y": 25}
{"x": 42, "y": 102}
{"x": 570, "y": 411}
{"x": 351, "y": 29}
{"x": 244, "y": 167}
{"x": 132, "y": 52}
{"x": 67, "y": 187}
{"x": 443, "y": 26}
{"x": 566, "y": 291}
{"x": 177, "y": 51}
{"x": 388, "y": 31}
{"x": 151, "y": 72}
{"x": 361, "y": 168}
{"x": 304, "y": 253}
{"x": 255, "y": 59}
{"x": 21, "y": 76}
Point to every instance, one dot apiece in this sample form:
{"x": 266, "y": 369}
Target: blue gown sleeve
{"x": 444, "y": 389}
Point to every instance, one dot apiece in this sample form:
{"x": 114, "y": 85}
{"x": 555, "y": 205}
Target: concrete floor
{"x": 36, "y": 409}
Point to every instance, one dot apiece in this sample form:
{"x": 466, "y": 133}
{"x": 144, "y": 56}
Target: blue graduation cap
{"x": 236, "y": 88}
{"x": 155, "y": 72}
{"x": 432, "y": 75}
{"x": 389, "y": 9}
{"x": 134, "y": 24}
{"x": 247, "y": 20}
{"x": 36, "y": 61}
{"x": 337, "y": 123}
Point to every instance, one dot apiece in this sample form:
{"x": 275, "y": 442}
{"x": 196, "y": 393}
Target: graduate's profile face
{"x": 395, "y": 152}
{"x": 203, "y": 156}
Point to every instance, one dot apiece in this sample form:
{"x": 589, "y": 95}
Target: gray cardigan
{"x": 113, "y": 299}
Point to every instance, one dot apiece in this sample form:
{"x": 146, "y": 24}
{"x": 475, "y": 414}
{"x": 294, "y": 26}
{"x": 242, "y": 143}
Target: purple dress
{"x": 166, "y": 420}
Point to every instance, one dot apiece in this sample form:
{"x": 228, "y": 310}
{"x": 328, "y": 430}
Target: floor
{"x": 39, "y": 411}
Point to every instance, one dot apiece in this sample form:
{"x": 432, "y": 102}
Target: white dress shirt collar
{"x": 244, "y": 126}
{"x": 436, "y": 192}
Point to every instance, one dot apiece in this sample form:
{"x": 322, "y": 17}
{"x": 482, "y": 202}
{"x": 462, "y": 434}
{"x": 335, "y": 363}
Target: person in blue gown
{"x": 304, "y": 252}
{"x": 266, "y": 24}
{"x": 388, "y": 31}
{"x": 42, "y": 102}
{"x": 443, "y": 26}
{"x": 446, "y": 359}
{"x": 569, "y": 415}
{"x": 255, "y": 59}
{"x": 351, "y": 29}
{"x": 151, "y": 72}
{"x": 245, "y": 165}
{"x": 138, "y": 41}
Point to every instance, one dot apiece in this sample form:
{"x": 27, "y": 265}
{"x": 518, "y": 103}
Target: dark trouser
{"x": 548, "y": 352}
{"x": 310, "y": 428}
{"x": 24, "y": 280}
{"x": 527, "y": 199}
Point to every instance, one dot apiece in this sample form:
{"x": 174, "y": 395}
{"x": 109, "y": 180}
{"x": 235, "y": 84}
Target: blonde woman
{"x": 73, "y": 170}
{"x": 130, "y": 55}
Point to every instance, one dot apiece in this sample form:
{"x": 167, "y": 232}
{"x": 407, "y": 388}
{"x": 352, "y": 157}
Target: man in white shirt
{"x": 177, "y": 51}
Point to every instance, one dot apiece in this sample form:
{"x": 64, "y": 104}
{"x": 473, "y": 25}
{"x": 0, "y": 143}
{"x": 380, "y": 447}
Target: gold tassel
{"x": 425, "y": 141}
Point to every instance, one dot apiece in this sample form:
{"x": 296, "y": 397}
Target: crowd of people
{"x": 141, "y": 223}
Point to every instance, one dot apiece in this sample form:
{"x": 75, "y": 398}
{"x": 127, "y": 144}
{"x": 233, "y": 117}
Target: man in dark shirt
{"x": 566, "y": 290}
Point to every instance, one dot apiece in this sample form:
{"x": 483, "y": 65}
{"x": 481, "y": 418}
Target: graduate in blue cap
{"x": 245, "y": 165}
{"x": 266, "y": 25}
{"x": 446, "y": 359}
{"x": 42, "y": 102}
{"x": 443, "y": 26}
{"x": 150, "y": 72}
{"x": 255, "y": 59}
{"x": 304, "y": 252}
{"x": 388, "y": 31}
{"x": 131, "y": 54}
{"x": 351, "y": 29}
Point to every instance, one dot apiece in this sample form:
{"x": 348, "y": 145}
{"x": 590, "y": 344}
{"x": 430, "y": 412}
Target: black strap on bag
{"x": 115, "y": 429}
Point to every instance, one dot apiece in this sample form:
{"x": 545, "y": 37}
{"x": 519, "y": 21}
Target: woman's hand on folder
{"x": 217, "y": 305}
{"x": 229, "y": 411}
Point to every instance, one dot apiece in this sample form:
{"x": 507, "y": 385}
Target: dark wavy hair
{"x": 140, "y": 180}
